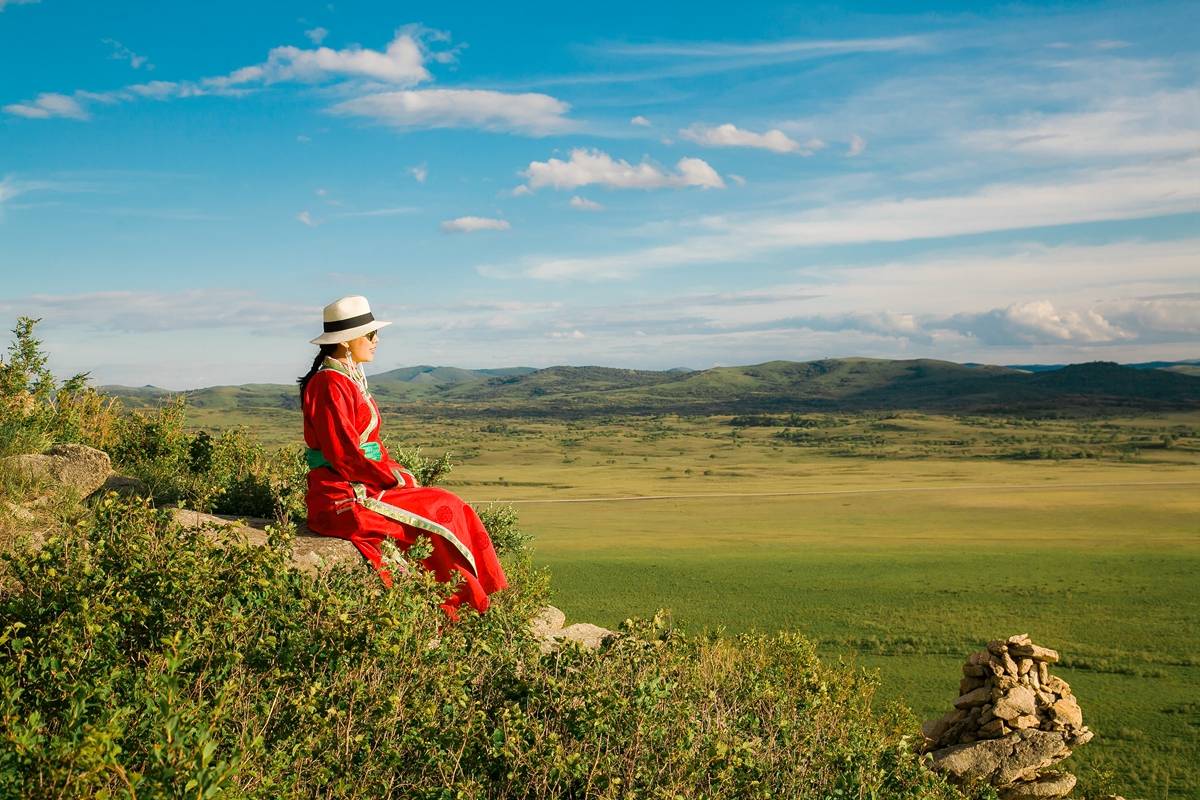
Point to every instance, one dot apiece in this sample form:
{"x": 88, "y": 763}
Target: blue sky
{"x": 640, "y": 185}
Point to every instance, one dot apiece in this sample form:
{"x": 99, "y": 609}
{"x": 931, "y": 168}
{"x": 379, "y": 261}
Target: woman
{"x": 357, "y": 492}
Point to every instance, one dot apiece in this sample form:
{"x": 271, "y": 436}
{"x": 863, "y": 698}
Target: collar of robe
{"x": 355, "y": 375}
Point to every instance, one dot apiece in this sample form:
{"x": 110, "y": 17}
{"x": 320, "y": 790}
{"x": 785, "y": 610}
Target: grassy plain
{"x": 898, "y": 541}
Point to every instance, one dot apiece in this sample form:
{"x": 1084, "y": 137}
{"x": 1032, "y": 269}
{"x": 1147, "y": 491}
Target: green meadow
{"x": 899, "y": 541}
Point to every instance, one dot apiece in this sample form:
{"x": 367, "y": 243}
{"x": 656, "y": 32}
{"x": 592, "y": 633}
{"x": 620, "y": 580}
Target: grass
{"x": 916, "y": 538}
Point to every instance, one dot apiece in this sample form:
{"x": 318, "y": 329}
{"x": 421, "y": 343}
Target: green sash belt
{"x": 315, "y": 458}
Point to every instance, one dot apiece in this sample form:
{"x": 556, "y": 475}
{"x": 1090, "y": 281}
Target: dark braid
{"x": 326, "y": 351}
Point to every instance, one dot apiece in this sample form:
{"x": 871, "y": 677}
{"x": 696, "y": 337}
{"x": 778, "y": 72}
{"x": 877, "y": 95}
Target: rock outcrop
{"x": 1012, "y": 721}
{"x": 310, "y": 551}
{"x": 547, "y": 628}
{"x": 79, "y": 467}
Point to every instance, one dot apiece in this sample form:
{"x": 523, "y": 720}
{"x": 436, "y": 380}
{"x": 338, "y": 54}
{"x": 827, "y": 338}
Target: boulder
{"x": 1018, "y": 756}
{"x": 548, "y": 621}
{"x": 586, "y": 635}
{"x": 310, "y": 551}
{"x": 124, "y": 486}
{"x": 78, "y": 467}
{"x": 1049, "y": 786}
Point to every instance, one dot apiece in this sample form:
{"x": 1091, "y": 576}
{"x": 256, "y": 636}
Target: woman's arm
{"x": 331, "y": 402}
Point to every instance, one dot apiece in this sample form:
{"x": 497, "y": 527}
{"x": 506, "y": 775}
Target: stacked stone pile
{"x": 1011, "y": 722}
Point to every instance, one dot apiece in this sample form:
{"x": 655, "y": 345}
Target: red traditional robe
{"x": 366, "y": 501}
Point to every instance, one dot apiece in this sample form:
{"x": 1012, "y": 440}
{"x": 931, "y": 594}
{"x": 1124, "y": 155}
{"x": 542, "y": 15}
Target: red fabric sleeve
{"x": 331, "y": 403}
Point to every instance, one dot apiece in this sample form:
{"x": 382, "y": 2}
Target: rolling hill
{"x": 782, "y": 386}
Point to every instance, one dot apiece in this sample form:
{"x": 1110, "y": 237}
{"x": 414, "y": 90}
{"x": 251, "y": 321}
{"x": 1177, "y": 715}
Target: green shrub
{"x": 36, "y": 412}
{"x": 427, "y": 471}
{"x": 141, "y": 659}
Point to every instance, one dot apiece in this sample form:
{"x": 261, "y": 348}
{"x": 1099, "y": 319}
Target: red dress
{"x": 354, "y": 497}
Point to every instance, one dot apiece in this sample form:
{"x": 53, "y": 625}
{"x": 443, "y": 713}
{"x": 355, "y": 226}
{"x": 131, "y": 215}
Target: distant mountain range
{"x": 829, "y": 384}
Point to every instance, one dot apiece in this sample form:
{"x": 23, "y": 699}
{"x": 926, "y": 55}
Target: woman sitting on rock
{"x": 357, "y": 492}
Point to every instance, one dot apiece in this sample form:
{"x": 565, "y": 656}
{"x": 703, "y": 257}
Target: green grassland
{"x": 900, "y": 541}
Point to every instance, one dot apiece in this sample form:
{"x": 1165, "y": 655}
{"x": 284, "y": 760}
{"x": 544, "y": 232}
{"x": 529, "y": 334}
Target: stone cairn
{"x": 1012, "y": 721}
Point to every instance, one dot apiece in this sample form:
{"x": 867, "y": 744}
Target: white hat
{"x": 346, "y": 319}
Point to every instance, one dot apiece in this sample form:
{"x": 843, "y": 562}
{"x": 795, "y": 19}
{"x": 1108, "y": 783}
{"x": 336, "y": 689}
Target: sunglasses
{"x": 372, "y": 336}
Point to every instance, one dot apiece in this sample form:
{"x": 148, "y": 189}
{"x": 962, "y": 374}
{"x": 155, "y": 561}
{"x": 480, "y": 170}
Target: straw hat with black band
{"x": 346, "y": 319}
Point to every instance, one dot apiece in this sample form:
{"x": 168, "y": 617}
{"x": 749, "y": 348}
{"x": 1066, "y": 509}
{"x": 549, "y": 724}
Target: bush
{"x": 36, "y": 412}
{"x": 139, "y": 658}
{"x": 227, "y": 474}
{"x": 427, "y": 471}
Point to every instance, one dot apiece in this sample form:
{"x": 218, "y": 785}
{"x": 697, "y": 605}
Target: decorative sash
{"x": 315, "y": 458}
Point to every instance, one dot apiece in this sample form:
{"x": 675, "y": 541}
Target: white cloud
{"x": 306, "y": 218}
{"x": 588, "y": 167}
{"x": 4, "y": 3}
{"x": 1036, "y": 322}
{"x": 316, "y": 35}
{"x": 729, "y": 135}
{"x": 738, "y": 179}
{"x": 640, "y": 121}
{"x": 472, "y": 224}
{"x": 1168, "y": 187}
{"x": 303, "y": 138}
{"x": 777, "y": 48}
{"x": 394, "y": 211}
{"x": 420, "y": 172}
{"x": 8, "y": 189}
{"x": 1161, "y": 316}
{"x": 583, "y": 204}
{"x": 529, "y": 113}
{"x": 122, "y": 53}
{"x": 47, "y": 105}
{"x": 571, "y": 334}
{"x": 402, "y": 62}
{"x": 856, "y": 147}
{"x": 138, "y": 312}
{"x": 1160, "y": 123}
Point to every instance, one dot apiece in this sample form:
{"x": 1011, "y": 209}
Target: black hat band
{"x": 346, "y": 324}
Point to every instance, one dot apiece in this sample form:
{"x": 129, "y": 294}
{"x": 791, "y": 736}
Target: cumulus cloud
{"x": 595, "y": 167}
{"x": 856, "y": 147}
{"x": 729, "y": 135}
{"x": 316, "y": 35}
{"x": 305, "y": 218}
{"x": 583, "y": 204}
{"x": 1036, "y": 322}
{"x": 472, "y": 224}
{"x": 47, "y": 105}
{"x": 420, "y": 172}
{"x": 640, "y": 121}
{"x": 529, "y": 113}
{"x": 401, "y": 62}
{"x": 1157, "y": 316}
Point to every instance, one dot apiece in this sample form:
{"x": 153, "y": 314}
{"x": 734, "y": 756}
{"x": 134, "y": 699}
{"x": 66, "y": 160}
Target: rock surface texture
{"x": 84, "y": 469}
{"x": 310, "y": 551}
{"x": 547, "y": 628}
{"x": 1011, "y": 722}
